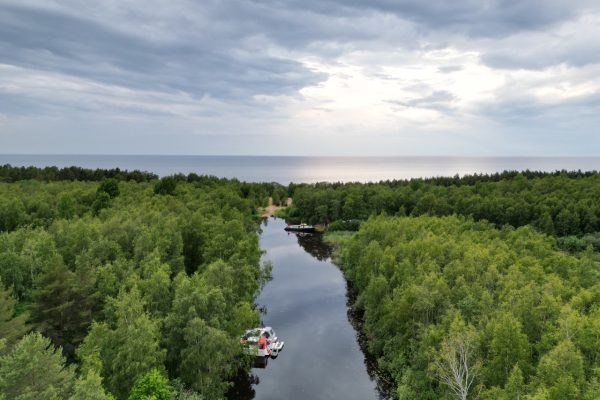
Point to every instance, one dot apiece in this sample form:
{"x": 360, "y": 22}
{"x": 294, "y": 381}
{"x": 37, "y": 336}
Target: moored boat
{"x": 300, "y": 228}
{"x": 269, "y": 346}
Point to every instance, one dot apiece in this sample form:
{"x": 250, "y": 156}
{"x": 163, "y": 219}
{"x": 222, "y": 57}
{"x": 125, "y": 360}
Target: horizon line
{"x": 298, "y": 156}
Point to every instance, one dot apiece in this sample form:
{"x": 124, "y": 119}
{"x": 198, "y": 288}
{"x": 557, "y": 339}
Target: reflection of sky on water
{"x": 306, "y": 305}
{"x": 310, "y": 169}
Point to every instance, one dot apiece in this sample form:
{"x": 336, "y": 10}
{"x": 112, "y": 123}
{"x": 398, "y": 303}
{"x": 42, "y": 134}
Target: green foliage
{"x": 65, "y": 303}
{"x": 206, "y": 358}
{"x": 515, "y": 386}
{"x": 508, "y": 348}
{"x": 89, "y": 387}
{"x": 456, "y": 365}
{"x": 109, "y": 186}
{"x": 67, "y": 206}
{"x": 152, "y": 385}
{"x": 166, "y": 185}
{"x": 561, "y": 371}
{"x": 530, "y": 309}
{"x": 14, "y": 174}
{"x": 170, "y": 280}
{"x": 12, "y": 327}
{"x": 35, "y": 370}
{"x": 341, "y": 225}
{"x": 128, "y": 346}
{"x": 558, "y": 203}
{"x": 116, "y": 275}
{"x": 576, "y": 244}
{"x": 25, "y": 254}
{"x": 102, "y": 201}
{"x": 12, "y": 214}
{"x": 203, "y": 328}
{"x": 180, "y": 392}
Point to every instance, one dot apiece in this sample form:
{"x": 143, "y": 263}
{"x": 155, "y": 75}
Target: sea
{"x": 286, "y": 169}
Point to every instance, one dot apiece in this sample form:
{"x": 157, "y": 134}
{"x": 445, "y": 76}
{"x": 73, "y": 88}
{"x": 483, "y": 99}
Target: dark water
{"x": 309, "y": 169}
{"x": 306, "y": 305}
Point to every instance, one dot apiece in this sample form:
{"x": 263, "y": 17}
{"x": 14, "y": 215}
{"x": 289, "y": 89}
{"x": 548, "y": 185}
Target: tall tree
{"x": 128, "y": 347}
{"x": 561, "y": 371}
{"x": 456, "y": 365}
{"x": 12, "y": 327}
{"x": 508, "y": 347}
{"x": 109, "y": 186}
{"x": 515, "y": 386}
{"x": 65, "y": 304}
{"x": 206, "y": 360}
{"x": 89, "y": 387}
{"x": 152, "y": 385}
{"x": 35, "y": 370}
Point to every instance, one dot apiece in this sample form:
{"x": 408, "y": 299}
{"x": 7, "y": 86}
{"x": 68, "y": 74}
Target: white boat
{"x": 251, "y": 346}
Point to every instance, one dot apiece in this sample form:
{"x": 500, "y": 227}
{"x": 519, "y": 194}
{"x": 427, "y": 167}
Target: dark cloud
{"x": 578, "y": 48}
{"x": 472, "y": 17}
{"x": 219, "y": 67}
{"x": 221, "y": 48}
{"x": 223, "y": 66}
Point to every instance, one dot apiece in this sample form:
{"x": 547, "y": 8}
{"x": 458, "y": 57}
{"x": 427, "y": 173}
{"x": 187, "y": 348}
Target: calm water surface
{"x": 306, "y": 305}
{"x": 309, "y": 169}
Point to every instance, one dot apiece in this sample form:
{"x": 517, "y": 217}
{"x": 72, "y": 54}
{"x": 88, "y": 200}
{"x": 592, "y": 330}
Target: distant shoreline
{"x": 310, "y": 169}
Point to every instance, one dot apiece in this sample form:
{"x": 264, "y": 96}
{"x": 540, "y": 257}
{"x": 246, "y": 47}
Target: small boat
{"x": 300, "y": 228}
{"x": 250, "y": 341}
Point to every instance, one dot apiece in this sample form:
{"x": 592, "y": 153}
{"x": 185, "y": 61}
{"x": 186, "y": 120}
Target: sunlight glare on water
{"x": 309, "y": 169}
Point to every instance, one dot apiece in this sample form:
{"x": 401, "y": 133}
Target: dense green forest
{"x": 561, "y": 203}
{"x": 9, "y": 173}
{"x": 464, "y": 284}
{"x": 117, "y": 284}
{"x": 458, "y": 309}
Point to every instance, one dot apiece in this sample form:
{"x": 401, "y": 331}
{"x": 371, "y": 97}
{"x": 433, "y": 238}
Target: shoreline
{"x": 271, "y": 209}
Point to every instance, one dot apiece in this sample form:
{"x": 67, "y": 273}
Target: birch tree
{"x": 456, "y": 366}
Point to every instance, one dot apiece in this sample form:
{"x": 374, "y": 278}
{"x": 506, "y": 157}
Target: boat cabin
{"x": 270, "y": 347}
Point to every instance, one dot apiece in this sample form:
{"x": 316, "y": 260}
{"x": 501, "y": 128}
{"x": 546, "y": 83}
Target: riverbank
{"x": 385, "y": 381}
{"x": 271, "y": 208}
{"x": 420, "y": 289}
{"x": 306, "y": 304}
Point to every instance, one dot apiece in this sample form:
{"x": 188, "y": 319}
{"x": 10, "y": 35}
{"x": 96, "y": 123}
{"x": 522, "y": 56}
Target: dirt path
{"x": 272, "y": 208}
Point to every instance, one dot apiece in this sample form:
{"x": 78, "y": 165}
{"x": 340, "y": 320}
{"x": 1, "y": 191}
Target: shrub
{"x": 166, "y": 185}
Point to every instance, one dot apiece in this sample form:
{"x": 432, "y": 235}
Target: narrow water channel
{"x": 306, "y": 304}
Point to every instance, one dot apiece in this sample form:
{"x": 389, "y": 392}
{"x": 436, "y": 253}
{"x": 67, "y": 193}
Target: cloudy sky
{"x": 300, "y": 77}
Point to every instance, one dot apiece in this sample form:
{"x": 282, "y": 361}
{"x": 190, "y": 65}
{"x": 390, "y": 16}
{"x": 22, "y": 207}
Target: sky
{"x": 300, "y": 77}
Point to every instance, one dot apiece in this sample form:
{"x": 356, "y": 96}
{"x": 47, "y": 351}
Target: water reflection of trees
{"x": 264, "y": 223}
{"x": 242, "y": 386}
{"x": 313, "y": 244}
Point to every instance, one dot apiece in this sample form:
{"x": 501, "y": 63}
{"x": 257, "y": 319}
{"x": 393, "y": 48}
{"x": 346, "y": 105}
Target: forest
{"x": 561, "y": 203}
{"x": 474, "y": 287}
{"x": 458, "y": 309}
{"x": 119, "y": 285}
{"x": 123, "y": 285}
